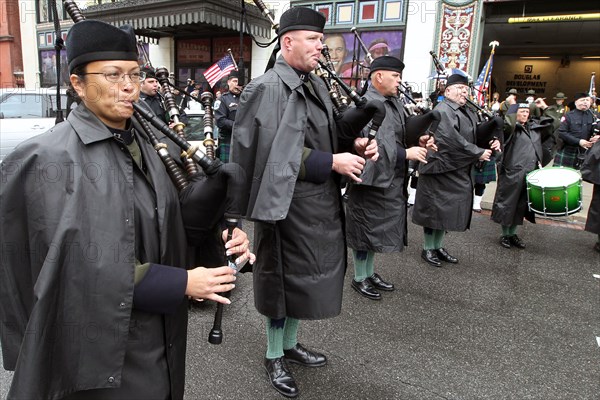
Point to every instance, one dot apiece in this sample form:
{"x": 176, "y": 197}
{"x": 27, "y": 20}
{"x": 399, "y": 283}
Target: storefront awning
{"x": 153, "y": 19}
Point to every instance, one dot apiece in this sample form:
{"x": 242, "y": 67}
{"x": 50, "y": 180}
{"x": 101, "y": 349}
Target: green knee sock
{"x": 512, "y": 231}
{"x": 274, "y": 338}
{"x": 439, "y": 238}
{"x": 429, "y": 241}
{"x": 290, "y": 333}
{"x": 370, "y": 263}
{"x": 505, "y": 230}
{"x": 360, "y": 265}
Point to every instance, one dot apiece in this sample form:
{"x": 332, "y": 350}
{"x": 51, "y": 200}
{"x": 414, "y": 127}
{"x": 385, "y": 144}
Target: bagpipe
{"x": 207, "y": 197}
{"x": 490, "y": 127}
{"x": 416, "y": 125}
{"x": 349, "y": 120}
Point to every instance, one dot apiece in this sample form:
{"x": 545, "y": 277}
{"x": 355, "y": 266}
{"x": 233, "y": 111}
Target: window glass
{"x": 22, "y": 106}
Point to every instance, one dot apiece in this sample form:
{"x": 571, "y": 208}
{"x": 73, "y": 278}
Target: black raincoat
{"x": 522, "y": 154}
{"x": 76, "y": 212}
{"x": 299, "y": 237}
{"x": 590, "y": 171}
{"x": 376, "y": 208}
{"x": 445, "y": 194}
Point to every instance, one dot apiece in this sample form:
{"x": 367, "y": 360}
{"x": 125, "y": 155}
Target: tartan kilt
{"x": 485, "y": 172}
{"x": 567, "y": 157}
{"x": 224, "y": 151}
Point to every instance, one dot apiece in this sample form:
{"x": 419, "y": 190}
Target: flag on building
{"x": 483, "y": 80}
{"x": 219, "y": 70}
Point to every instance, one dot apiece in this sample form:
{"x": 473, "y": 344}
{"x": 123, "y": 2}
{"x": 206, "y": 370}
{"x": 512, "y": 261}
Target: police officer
{"x": 225, "y": 110}
{"x": 560, "y": 108}
{"x": 576, "y": 133}
{"x": 149, "y": 93}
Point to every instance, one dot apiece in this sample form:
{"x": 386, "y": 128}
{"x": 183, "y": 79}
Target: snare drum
{"x": 554, "y": 191}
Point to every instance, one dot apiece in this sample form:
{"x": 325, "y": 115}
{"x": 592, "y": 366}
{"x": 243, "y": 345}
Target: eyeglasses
{"x": 116, "y": 77}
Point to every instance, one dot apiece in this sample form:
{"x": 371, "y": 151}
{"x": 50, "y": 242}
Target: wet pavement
{"x": 501, "y": 324}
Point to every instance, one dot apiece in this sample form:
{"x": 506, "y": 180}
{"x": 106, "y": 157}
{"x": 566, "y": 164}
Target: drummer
{"x": 522, "y": 154}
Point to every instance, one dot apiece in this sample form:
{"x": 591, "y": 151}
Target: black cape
{"x": 67, "y": 270}
{"x": 445, "y": 195}
{"x": 299, "y": 238}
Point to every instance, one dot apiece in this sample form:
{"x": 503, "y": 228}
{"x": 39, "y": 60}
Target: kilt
{"x": 485, "y": 172}
{"x": 567, "y": 157}
{"x": 224, "y": 151}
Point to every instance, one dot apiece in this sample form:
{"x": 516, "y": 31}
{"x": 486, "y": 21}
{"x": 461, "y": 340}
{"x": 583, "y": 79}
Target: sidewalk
{"x": 577, "y": 218}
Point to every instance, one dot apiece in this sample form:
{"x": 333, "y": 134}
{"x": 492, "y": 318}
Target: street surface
{"x": 502, "y": 324}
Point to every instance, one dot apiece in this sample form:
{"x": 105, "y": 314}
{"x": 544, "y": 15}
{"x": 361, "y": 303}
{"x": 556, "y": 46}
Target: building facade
{"x": 11, "y": 58}
{"x": 548, "y": 46}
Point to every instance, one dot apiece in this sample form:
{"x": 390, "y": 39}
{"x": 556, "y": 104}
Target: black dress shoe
{"x": 280, "y": 376}
{"x": 505, "y": 242}
{"x": 431, "y": 257}
{"x": 445, "y": 256}
{"x": 301, "y": 355}
{"x": 516, "y": 241}
{"x": 366, "y": 289}
{"x": 380, "y": 284}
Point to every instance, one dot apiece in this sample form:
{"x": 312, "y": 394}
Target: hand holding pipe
{"x": 216, "y": 333}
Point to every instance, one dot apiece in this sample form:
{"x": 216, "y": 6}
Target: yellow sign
{"x": 555, "y": 18}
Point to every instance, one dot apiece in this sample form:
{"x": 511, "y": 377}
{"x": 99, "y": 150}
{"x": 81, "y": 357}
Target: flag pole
{"x": 494, "y": 44}
{"x": 232, "y": 59}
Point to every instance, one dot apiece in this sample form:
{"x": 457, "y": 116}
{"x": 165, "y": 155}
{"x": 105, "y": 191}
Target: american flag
{"x": 219, "y": 70}
{"x": 483, "y": 80}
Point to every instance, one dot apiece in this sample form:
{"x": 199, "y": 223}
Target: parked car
{"x": 194, "y": 128}
{"x": 26, "y": 113}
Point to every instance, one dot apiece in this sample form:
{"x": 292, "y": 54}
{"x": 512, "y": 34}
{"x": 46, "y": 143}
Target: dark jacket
{"x": 76, "y": 214}
{"x": 590, "y": 171}
{"x": 156, "y": 105}
{"x": 225, "y": 114}
{"x": 522, "y": 154}
{"x": 376, "y": 208}
{"x": 445, "y": 196}
{"x": 577, "y": 125}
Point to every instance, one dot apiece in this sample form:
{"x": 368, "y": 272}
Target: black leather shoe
{"x": 505, "y": 242}
{"x": 301, "y": 355}
{"x": 380, "y": 284}
{"x": 516, "y": 241}
{"x": 280, "y": 376}
{"x": 445, "y": 256}
{"x": 431, "y": 257}
{"x": 366, "y": 289}
{"x": 597, "y": 247}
